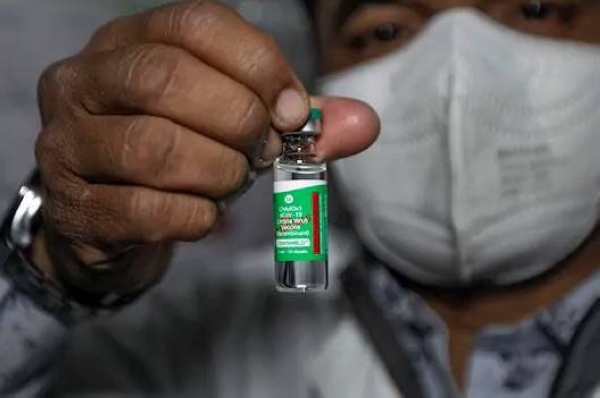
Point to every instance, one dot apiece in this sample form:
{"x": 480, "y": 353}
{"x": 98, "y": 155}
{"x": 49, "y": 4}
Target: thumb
{"x": 349, "y": 127}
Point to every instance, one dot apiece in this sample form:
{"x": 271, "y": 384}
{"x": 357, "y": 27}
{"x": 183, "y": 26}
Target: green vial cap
{"x": 315, "y": 114}
{"x": 313, "y": 125}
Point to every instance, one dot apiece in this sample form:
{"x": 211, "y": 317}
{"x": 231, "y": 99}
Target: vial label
{"x": 300, "y": 217}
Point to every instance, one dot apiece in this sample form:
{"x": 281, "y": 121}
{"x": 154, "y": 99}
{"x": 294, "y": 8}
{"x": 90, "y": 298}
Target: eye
{"x": 386, "y": 32}
{"x": 379, "y": 37}
{"x": 548, "y": 18}
{"x": 378, "y": 29}
{"x": 537, "y": 10}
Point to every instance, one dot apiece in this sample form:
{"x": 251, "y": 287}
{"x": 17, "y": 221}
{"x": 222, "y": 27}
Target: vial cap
{"x": 315, "y": 114}
{"x": 313, "y": 125}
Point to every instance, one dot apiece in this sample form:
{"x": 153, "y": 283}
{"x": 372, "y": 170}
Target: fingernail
{"x": 291, "y": 107}
{"x": 270, "y": 151}
{"x": 252, "y": 176}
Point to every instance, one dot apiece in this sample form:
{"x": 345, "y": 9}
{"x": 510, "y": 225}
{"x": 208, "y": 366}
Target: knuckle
{"x": 186, "y": 19}
{"x": 54, "y": 85}
{"x": 208, "y": 214}
{"x": 103, "y": 32}
{"x": 145, "y": 152}
{"x": 160, "y": 217}
{"x": 251, "y": 120}
{"x": 266, "y": 60}
{"x": 53, "y": 75}
{"x": 201, "y": 219}
{"x": 59, "y": 74}
{"x": 150, "y": 73}
{"x": 146, "y": 210}
{"x": 107, "y": 37}
{"x": 234, "y": 173}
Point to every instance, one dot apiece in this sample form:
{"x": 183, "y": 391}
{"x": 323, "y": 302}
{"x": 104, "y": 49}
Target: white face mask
{"x": 488, "y": 165}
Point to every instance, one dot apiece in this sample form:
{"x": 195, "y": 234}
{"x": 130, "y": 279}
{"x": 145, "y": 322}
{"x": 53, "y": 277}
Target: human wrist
{"x": 56, "y": 274}
{"x": 89, "y": 274}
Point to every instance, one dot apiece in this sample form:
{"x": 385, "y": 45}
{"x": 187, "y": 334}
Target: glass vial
{"x": 300, "y": 212}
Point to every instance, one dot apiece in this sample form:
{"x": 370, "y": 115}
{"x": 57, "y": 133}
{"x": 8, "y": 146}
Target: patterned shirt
{"x": 513, "y": 361}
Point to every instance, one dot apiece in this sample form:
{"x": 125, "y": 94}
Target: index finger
{"x": 221, "y": 38}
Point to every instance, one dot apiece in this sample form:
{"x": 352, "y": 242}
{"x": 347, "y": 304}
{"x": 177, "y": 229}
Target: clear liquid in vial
{"x": 301, "y": 276}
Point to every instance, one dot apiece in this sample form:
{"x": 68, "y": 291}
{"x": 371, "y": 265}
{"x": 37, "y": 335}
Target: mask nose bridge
{"x": 453, "y": 96}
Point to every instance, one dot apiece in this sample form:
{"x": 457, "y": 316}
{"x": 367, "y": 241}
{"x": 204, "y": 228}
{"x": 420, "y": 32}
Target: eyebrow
{"x": 349, "y": 7}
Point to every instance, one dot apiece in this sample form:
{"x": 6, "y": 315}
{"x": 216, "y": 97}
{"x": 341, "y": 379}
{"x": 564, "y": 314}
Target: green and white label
{"x": 300, "y": 220}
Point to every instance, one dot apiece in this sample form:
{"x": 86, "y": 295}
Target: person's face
{"x": 353, "y": 31}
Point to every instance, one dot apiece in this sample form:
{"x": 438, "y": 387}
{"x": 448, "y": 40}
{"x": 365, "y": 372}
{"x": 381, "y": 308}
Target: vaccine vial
{"x": 300, "y": 212}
